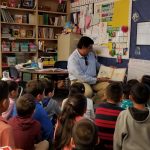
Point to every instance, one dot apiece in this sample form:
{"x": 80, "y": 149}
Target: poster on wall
{"x": 109, "y": 29}
{"x": 143, "y": 33}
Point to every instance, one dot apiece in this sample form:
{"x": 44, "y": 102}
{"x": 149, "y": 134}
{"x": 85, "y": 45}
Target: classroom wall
{"x": 142, "y": 8}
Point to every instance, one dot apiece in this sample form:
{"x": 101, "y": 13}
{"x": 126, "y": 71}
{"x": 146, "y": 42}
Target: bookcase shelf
{"x": 52, "y": 26}
{"x": 22, "y": 24}
{"x": 42, "y": 24}
{"x": 19, "y": 9}
{"x": 17, "y": 52}
{"x": 52, "y": 12}
{"x": 47, "y": 39}
{"x": 17, "y": 38}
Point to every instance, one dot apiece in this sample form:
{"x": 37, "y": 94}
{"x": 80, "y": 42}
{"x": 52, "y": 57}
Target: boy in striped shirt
{"x": 107, "y": 113}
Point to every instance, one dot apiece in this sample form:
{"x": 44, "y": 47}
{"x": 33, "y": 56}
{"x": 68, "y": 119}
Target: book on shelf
{"x": 5, "y": 46}
{"x": 46, "y": 19}
{"x": 29, "y": 33}
{"x": 46, "y": 33}
{"x": 18, "y": 18}
{"x": 11, "y": 60}
{"x": 114, "y": 74}
{"x": 40, "y": 19}
{"x": 31, "y": 18}
{"x": 15, "y": 46}
{"x": 6, "y": 16}
{"x": 62, "y": 7}
{"x": 6, "y": 32}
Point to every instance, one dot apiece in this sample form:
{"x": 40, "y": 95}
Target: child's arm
{"x": 120, "y": 131}
{"x": 7, "y": 137}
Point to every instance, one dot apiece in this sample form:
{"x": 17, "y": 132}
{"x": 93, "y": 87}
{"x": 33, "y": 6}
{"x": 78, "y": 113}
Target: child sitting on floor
{"x": 36, "y": 88}
{"x": 6, "y": 132}
{"x": 85, "y": 135}
{"x": 13, "y": 93}
{"x": 132, "y": 131}
{"x": 27, "y": 131}
{"x": 72, "y": 112}
{"x": 126, "y": 102}
{"x": 78, "y": 88}
{"x": 50, "y": 105}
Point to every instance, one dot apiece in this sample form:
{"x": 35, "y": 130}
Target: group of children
{"x": 36, "y": 121}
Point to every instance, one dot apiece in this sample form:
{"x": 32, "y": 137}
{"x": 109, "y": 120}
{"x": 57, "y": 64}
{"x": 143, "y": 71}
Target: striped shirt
{"x": 105, "y": 120}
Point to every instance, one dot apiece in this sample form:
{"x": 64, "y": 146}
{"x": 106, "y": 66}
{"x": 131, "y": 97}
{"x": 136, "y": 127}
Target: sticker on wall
{"x": 135, "y": 16}
{"x": 138, "y": 50}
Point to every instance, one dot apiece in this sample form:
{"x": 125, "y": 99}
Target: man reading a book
{"x": 83, "y": 66}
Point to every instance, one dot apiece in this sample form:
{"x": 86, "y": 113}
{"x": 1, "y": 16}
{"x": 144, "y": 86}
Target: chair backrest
{"x": 13, "y": 72}
{"x": 60, "y": 64}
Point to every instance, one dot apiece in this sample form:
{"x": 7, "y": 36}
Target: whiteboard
{"x": 143, "y": 33}
{"x": 137, "y": 68}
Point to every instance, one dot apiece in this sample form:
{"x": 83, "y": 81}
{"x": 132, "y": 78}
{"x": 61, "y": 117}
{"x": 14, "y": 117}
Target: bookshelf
{"x": 29, "y": 32}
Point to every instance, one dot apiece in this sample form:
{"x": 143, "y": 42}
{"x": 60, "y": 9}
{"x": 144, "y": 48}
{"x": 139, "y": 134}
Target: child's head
{"x": 13, "y": 89}
{"x": 49, "y": 87}
{"x": 85, "y": 135}
{"x": 146, "y": 80}
{"x": 36, "y": 88}
{"x": 76, "y": 88}
{"x": 75, "y": 103}
{"x": 4, "y": 102}
{"x": 25, "y": 105}
{"x": 114, "y": 92}
{"x": 140, "y": 93}
{"x": 127, "y": 87}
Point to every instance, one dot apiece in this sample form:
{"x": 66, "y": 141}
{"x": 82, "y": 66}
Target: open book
{"x": 115, "y": 74}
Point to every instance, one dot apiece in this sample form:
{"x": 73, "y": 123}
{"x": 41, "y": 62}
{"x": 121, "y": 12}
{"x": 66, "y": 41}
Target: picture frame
{"x": 27, "y": 4}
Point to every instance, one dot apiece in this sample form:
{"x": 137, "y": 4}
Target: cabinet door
{"x": 67, "y": 43}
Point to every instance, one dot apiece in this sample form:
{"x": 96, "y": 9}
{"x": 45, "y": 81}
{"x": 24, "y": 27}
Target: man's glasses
{"x": 86, "y": 60}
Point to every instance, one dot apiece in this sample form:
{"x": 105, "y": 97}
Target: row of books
{"x": 45, "y": 19}
{"x": 18, "y": 46}
{"x": 16, "y": 32}
{"x": 46, "y": 33}
{"x": 17, "y": 18}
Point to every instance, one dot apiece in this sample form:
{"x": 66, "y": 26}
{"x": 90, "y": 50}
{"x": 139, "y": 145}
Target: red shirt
{"x": 27, "y": 132}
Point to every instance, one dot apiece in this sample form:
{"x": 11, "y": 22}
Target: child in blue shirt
{"x": 50, "y": 105}
{"x": 36, "y": 88}
{"x": 126, "y": 102}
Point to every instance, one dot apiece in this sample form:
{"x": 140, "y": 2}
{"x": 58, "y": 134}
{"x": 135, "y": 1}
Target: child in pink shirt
{"x": 13, "y": 93}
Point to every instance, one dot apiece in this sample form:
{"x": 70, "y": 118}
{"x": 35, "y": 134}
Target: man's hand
{"x": 104, "y": 79}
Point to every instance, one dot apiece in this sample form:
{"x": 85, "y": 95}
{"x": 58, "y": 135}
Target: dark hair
{"x": 140, "y": 93}
{"x": 3, "y": 90}
{"x": 25, "y": 105}
{"x": 75, "y": 106}
{"x": 127, "y": 87}
{"x": 114, "y": 91}
{"x": 84, "y": 42}
{"x": 85, "y": 135}
{"x": 76, "y": 88}
{"x": 12, "y": 85}
{"x": 35, "y": 87}
{"x": 48, "y": 85}
{"x": 146, "y": 80}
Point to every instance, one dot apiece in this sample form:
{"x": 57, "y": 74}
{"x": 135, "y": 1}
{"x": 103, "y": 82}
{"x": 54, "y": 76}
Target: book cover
{"x": 18, "y": 18}
{"x": 114, "y": 74}
{"x": 11, "y": 61}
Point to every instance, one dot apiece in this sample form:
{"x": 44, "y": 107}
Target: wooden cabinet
{"x": 67, "y": 43}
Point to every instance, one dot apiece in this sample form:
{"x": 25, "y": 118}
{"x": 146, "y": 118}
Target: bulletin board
{"x": 119, "y": 19}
